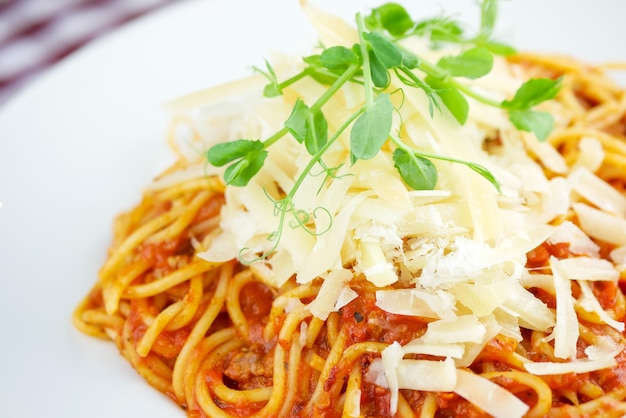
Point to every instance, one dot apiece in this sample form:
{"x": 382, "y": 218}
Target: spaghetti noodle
{"x": 505, "y": 304}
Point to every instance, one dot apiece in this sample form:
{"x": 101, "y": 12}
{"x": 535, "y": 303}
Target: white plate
{"x": 79, "y": 145}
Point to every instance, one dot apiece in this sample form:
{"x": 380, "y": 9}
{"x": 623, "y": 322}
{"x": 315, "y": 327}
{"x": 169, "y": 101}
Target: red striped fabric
{"x": 35, "y": 34}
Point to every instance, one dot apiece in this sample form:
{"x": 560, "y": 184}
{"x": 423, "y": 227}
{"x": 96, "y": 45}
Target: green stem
{"x": 367, "y": 72}
{"x": 321, "y": 101}
{"x": 471, "y": 93}
{"x": 318, "y": 155}
{"x": 435, "y": 71}
{"x": 475, "y": 167}
{"x": 334, "y": 88}
{"x": 304, "y": 73}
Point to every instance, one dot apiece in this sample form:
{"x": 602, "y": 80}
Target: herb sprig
{"x": 372, "y": 63}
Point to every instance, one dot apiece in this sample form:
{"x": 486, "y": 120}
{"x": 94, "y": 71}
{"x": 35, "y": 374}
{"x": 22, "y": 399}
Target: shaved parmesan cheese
{"x": 326, "y": 253}
{"x": 601, "y": 225}
{"x": 346, "y": 296}
{"x": 532, "y": 312}
{"x": 605, "y": 348}
{"x": 481, "y": 299}
{"x": 579, "y": 242}
{"x": 488, "y": 396}
{"x": 548, "y": 155}
{"x": 589, "y": 303}
{"x": 425, "y": 375}
{"x": 325, "y": 301}
{"x": 557, "y": 200}
{"x": 618, "y": 255}
{"x": 566, "y": 329}
{"x": 374, "y": 264}
{"x": 416, "y": 303}
{"x": 391, "y": 358}
{"x": 591, "y": 154}
{"x": 587, "y": 268}
{"x": 581, "y": 366}
{"x": 417, "y": 346}
{"x": 466, "y": 328}
{"x": 598, "y": 192}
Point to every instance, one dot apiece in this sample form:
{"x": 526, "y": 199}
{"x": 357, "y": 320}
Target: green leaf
{"x": 439, "y": 29}
{"x": 324, "y": 78}
{"x": 313, "y": 60}
{"x": 498, "y": 48}
{"x": 533, "y": 92}
{"x": 316, "y": 133}
{"x": 240, "y": 172}
{"x": 419, "y": 173}
{"x": 473, "y": 63}
{"x": 409, "y": 60}
{"x": 296, "y": 123}
{"x": 307, "y": 126}
{"x": 380, "y": 74}
{"x": 488, "y": 13}
{"x": 371, "y": 129}
{"x": 271, "y": 90}
{"x": 225, "y": 152}
{"x": 453, "y": 99}
{"x": 392, "y": 17}
{"x": 539, "y": 123}
{"x": 385, "y": 50}
{"x": 337, "y": 57}
{"x": 488, "y": 175}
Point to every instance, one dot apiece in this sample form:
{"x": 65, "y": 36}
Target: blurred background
{"x": 35, "y": 34}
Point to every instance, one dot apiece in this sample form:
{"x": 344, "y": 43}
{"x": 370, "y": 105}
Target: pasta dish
{"x": 409, "y": 222}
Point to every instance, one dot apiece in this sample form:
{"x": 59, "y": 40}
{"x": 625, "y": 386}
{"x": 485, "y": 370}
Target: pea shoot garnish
{"x": 376, "y": 62}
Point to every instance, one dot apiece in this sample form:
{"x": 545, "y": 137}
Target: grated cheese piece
{"x": 606, "y": 347}
{"x": 427, "y": 375}
{"x": 618, "y": 255}
{"x": 580, "y": 366}
{"x": 417, "y": 346}
{"x": 579, "y": 243}
{"x": 391, "y": 358}
{"x": 566, "y": 329}
{"x": 547, "y": 154}
{"x": 591, "y": 154}
{"x": 472, "y": 350}
{"x": 488, "y": 396}
{"x": 587, "y": 268}
{"x": 532, "y": 312}
{"x": 326, "y": 252}
{"x": 331, "y": 30}
{"x": 590, "y": 303}
{"x": 416, "y": 303}
{"x": 216, "y": 94}
{"x": 374, "y": 264}
{"x": 346, "y": 296}
{"x": 598, "y": 192}
{"x": 424, "y": 375}
{"x": 481, "y": 299}
{"x": 465, "y": 328}
{"x": 601, "y": 225}
{"x": 325, "y": 301}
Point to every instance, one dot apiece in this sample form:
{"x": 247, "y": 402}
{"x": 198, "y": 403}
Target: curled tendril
{"x": 301, "y": 219}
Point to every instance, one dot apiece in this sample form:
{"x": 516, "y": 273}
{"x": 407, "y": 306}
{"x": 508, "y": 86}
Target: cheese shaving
{"x": 487, "y": 395}
{"x": 582, "y": 366}
{"x": 566, "y": 329}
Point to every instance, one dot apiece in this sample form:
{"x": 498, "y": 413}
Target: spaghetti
{"x": 453, "y": 335}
